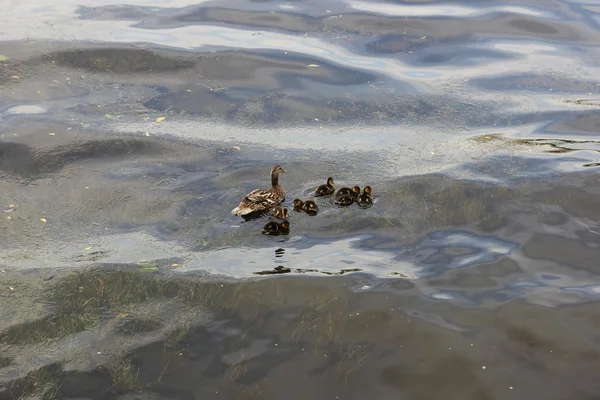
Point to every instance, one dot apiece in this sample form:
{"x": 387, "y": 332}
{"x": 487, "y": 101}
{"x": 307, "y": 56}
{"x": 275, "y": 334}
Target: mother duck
{"x": 259, "y": 201}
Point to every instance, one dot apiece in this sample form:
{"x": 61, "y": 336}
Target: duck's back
{"x": 259, "y": 200}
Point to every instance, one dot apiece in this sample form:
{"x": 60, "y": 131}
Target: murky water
{"x": 130, "y": 129}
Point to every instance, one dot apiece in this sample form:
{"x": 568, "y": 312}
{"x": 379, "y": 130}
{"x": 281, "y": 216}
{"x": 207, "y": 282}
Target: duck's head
{"x": 329, "y": 181}
{"x": 368, "y": 189}
{"x": 297, "y": 203}
{"x": 276, "y": 170}
{"x": 356, "y": 190}
{"x": 285, "y": 225}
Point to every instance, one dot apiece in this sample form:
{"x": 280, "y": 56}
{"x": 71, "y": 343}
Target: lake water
{"x": 130, "y": 129}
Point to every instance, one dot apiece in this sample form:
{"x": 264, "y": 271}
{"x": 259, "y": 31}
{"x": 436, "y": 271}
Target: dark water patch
{"x": 266, "y": 330}
{"x": 134, "y": 325}
{"x": 5, "y": 362}
{"x": 492, "y": 24}
{"x": 586, "y": 123}
{"x": 119, "y": 60}
{"x": 535, "y": 82}
{"x": 274, "y": 109}
{"x": 460, "y": 57}
{"x": 562, "y": 250}
{"x": 28, "y": 162}
{"x": 502, "y": 25}
{"x": 202, "y": 101}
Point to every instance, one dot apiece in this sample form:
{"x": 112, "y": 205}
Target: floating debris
{"x": 237, "y": 147}
{"x": 174, "y": 265}
{"x": 160, "y": 119}
{"x": 147, "y": 267}
{"x": 3, "y": 57}
{"x": 52, "y": 134}
{"x": 277, "y": 270}
{"x": 43, "y": 220}
{"x": 313, "y": 65}
{"x": 110, "y": 116}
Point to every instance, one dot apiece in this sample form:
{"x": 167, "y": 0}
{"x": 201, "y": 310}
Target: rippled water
{"x": 130, "y": 129}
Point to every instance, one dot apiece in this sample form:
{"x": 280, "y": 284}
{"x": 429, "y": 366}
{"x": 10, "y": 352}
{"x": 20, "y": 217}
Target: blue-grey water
{"x": 130, "y": 129}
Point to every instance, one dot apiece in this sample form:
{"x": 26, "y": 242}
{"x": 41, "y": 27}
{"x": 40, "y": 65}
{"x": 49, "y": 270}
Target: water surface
{"x": 130, "y": 129}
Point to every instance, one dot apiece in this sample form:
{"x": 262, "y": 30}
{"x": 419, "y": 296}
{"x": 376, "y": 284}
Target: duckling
{"x": 276, "y": 228}
{"x": 325, "y": 190}
{"x": 280, "y": 212}
{"x": 355, "y": 192}
{"x": 344, "y": 201}
{"x": 365, "y": 200}
{"x": 261, "y": 200}
{"x": 346, "y": 191}
{"x": 308, "y": 206}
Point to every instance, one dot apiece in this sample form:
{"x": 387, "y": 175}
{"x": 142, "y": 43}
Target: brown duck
{"x": 262, "y": 200}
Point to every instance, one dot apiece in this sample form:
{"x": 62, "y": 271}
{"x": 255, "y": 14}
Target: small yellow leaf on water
{"x": 52, "y": 134}
{"x": 9, "y": 217}
{"x": 88, "y": 248}
{"x": 87, "y": 187}
{"x": 160, "y": 119}
{"x": 147, "y": 134}
{"x": 43, "y": 219}
{"x": 317, "y": 119}
{"x": 11, "y": 288}
{"x": 11, "y": 206}
{"x": 313, "y": 65}
{"x": 15, "y": 77}
{"x": 174, "y": 265}
{"x": 237, "y": 147}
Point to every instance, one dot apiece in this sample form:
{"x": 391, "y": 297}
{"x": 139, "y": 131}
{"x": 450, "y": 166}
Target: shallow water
{"x": 130, "y": 129}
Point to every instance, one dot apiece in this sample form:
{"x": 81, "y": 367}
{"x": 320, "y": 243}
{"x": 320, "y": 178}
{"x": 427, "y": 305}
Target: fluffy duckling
{"x": 262, "y": 200}
{"x": 308, "y": 206}
{"x": 346, "y": 191}
{"x": 276, "y": 228}
{"x": 345, "y": 201}
{"x": 280, "y": 212}
{"x": 365, "y": 200}
{"x": 325, "y": 190}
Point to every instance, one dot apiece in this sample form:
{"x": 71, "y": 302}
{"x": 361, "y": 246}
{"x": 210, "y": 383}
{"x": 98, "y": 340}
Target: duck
{"x": 346, "y": 191}
{"x": 276, "y": 228}
{"x": 365, "y": 200}
{"x": 259, "y": 201}
{"x": 325, "y": 190}
{"x": 280, "y": 212}
{"x": 308, "y": 206}
{"x": 345, "y": 201}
